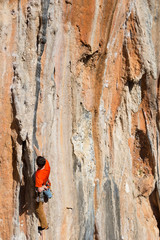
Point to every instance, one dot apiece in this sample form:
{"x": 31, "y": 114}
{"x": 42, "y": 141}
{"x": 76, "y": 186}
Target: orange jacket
{"x": 42, "y": 175}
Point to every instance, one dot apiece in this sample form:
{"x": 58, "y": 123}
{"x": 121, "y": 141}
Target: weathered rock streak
{"x": 81, "y": 81}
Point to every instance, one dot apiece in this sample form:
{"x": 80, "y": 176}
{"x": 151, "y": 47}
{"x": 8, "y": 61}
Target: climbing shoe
{"x": 41, "y": 229}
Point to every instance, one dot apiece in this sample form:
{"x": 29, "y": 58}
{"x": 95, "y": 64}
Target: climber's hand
{"x": 43, "y": 188}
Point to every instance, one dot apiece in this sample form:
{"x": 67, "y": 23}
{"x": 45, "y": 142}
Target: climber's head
{"x": 41, "y": 161}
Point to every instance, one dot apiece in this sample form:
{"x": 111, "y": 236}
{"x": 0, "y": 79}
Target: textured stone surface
{"x": 80, "y": 80}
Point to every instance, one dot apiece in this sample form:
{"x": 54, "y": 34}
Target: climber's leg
{"x": 41, "y": 215}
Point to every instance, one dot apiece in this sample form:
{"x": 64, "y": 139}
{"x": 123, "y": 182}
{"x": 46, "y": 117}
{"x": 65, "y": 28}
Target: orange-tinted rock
{"x": 80, "y": 80}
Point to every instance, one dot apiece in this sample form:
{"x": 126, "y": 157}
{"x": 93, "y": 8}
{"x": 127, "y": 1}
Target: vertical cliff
{"x": 81, "y": 81}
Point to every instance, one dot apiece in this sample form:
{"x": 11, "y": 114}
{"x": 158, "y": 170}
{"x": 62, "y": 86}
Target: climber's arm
{"x": 38, "y": 153}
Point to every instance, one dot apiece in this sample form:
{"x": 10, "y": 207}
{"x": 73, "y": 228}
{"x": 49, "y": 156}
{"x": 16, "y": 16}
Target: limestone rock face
{"x": 81, "y": 81}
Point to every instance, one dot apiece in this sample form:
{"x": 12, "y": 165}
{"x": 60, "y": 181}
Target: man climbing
{"x": 42, "y": 185}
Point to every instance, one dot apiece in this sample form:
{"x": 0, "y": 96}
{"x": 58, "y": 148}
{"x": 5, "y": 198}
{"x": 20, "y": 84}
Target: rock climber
{"x": 42, "y": 185}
